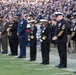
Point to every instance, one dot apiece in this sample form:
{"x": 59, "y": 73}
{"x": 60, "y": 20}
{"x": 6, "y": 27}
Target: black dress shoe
{"x": 4, "y": 52}
{"x": 58, "y": 65}
{"x": 44, "y": 63}
{"x": 10, "y": 54}
{"x": 41, "y": 63}
{"x": 14, "y": 55}
{"x": 19, "y": 57}
{"x": 62, "y": 67}
{"x": 31, "y": 60}
{"x": 24, "y": 57}
{"x": 74, "y": 72}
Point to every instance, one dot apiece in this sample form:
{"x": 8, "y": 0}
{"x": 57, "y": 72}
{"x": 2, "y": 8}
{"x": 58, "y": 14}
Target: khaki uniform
{"x": 0, "y": 34}
{"x": 4, "y": 37}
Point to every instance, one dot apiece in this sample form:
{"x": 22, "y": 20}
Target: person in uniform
{"x": 21, "y": 33}
{"x": 33, "y": 40}
{"x": 73, "y": 36}
{"x": 9, "y": 35}
{"x": 45, "y": 41}
{"x": 13, "y": 38}
{"x": 69, "y": 43}
{"x": 52, "y": 28}
{"x": 0, "y": 31}
{"x": 61, "y": 37}
{"x": 4, "y": 35}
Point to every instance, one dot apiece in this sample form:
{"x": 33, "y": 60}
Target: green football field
{"x": 10, "y": 65}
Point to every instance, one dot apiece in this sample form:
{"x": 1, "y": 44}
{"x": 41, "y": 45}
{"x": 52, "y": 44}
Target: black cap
{"x": 19, "y": 14}
{"x": 69, "y": 16}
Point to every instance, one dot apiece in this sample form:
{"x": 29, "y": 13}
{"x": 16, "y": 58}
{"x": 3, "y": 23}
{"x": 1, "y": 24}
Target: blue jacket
{"x": 22, "y": 28}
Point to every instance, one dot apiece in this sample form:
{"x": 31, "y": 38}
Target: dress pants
{"x": 62, "y": 54}
{"x": 22, "y": 42}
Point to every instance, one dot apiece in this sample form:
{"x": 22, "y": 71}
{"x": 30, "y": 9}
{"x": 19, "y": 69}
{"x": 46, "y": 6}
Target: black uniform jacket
{"x": 61, "y": 31}
{"x": 33, "y": 31}
{"x": 45, "y": 34}
{"x": 14, "y": 30}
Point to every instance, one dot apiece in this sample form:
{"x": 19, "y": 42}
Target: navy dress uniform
{"x": 21, "y": 32}
{"x": 61, "y": 37}
{"x": 33, "y": 40}
{"x": 45, "y": 41}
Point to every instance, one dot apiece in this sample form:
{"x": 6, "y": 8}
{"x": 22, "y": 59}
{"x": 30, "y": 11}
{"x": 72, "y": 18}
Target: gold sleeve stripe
{"x": 61, "y": 32}
{"x": 73, "y": 34}
{"x": 10, "y": 24}
{"x": 63, "y": 27}
{"x": 44, "y": 38}
{"x": 75, "y": 28}
{"x": 32, "y": 37}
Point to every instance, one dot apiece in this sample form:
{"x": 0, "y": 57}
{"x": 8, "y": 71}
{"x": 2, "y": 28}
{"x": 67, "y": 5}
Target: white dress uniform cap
{"x": 31, "y": 21}
{"x": 58, "y": 13}
{"x": 43, "y": 20}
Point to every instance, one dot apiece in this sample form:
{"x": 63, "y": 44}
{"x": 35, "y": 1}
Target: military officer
{"x": 61, "y": 37}
{"x": 4, "y": 35}
{"x": 33, "y": 40}
{"x": 45, "y": 41}
{"x": 73, "y": 37}
{"x": 0, "y": 30}
{"x": 12, "y": 34}
{"x": 21, "y": 32}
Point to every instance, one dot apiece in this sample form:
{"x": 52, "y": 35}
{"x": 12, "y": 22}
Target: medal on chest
{"x": 59, "y": 24}
{"x": 43, "y": 30}
{"x": 32, "y": 28}
{"x": 21, "y": 24}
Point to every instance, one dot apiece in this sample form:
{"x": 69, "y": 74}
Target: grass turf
{"x": 13, "y": 66}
